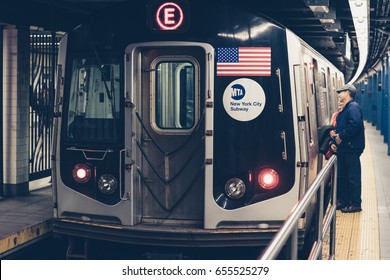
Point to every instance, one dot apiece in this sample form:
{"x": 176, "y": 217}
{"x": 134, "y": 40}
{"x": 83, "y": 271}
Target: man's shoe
{"x": 340, "y": 205}
{"x": 351, "y": 209}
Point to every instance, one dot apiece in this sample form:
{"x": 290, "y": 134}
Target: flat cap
{"x": 351, "y": 88}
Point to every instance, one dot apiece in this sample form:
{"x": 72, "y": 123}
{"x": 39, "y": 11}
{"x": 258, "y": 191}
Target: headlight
{"x": 235, "y": 188}
{"x": 107, "y": 184}
{"x": 268, "y": 179}
{"x": 81, "y": 173}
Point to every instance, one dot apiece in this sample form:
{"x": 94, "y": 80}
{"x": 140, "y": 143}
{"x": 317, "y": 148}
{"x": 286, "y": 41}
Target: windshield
{"x": 94, "y": 105}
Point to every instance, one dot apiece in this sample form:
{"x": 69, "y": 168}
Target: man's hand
{"x": 338, "y": 139}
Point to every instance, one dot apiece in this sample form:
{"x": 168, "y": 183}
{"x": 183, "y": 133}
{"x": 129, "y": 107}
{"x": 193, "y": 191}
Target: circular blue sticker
{"x": 237, "y": 92}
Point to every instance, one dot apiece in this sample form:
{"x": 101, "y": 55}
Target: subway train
{"x": 186, "y": 123}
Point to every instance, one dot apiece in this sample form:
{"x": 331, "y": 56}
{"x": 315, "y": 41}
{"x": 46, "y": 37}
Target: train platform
{"x": 380, "y": 165}
{"x": 366, "y": 235}
{"x": 359, "y": 236}
{"x": 26, "y": 219}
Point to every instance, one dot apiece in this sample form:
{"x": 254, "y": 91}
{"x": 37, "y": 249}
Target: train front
{"x": 175, "y": 127}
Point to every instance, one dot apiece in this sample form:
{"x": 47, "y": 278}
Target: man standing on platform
{"x": 349, "y": 142}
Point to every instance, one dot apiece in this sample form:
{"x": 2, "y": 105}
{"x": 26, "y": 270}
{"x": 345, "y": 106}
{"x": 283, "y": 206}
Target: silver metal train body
{"x": 179, "y": 125}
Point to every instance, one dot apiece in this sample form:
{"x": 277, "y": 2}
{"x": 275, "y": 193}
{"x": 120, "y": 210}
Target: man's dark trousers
{"x": 349, "y": 182}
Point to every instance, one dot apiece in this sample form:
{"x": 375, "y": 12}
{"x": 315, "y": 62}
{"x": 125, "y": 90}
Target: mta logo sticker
{"x": 238, "y": 92}
{"x": 244, "y": 99}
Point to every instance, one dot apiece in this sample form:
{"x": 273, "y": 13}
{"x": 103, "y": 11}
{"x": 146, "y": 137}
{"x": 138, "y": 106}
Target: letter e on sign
{"x": 169, "y": 16}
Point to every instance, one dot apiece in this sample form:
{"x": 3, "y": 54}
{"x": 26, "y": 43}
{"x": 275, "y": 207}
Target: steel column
{"x": 370, "y": 102}
{"x": 359, "y": 94}
{"x": 373, "y": 82}
{"x": 363, "y": 99}
{"x": 388, "y": 105}
{"x": 386, "y": 89}
{"x": 1, "y": 114}
{"x": 378, "y": 94}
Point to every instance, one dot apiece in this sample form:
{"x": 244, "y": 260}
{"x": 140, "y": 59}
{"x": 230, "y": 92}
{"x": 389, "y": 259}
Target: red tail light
{"x": 81, "y": 173}
{"x": 268, "y": 179}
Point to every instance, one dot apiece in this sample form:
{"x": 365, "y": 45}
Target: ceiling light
{"x": 327, "y": 20}
{"x": 319, "y": 9}
{"x": 318, "y": 6}
{"x": 360, "y": 15}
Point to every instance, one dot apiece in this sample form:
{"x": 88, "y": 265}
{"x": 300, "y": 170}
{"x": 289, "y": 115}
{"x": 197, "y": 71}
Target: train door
{"x": 167, "y": 89}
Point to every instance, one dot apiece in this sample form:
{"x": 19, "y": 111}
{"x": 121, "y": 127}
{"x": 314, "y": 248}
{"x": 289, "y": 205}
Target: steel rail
{"x": 288, "y": 231}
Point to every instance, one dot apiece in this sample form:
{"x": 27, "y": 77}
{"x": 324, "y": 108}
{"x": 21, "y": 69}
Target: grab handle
{"x": 284, "y": 153}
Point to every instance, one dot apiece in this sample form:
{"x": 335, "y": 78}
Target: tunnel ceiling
{"x": 326, "y": 32}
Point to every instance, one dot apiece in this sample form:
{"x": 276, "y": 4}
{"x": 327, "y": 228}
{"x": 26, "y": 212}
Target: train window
{"x": 93, "y": 105}
{"x": 308, "y": 113}
{"x": 322, "y": 80}
{"x": 175, "y": 95}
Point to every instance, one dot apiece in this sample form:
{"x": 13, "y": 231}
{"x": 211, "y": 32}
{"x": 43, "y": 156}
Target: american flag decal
{"x": 244, "y": 61}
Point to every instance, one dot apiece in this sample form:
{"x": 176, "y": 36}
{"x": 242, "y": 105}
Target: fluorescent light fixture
{"x": 347, "y": 46}
{"x": 361, "y": 20}
{"x": 319, "y": 9}
{"x": 336, "y": 26}
{"x": 318, "y": 6}
{"x": 327, "y": 20}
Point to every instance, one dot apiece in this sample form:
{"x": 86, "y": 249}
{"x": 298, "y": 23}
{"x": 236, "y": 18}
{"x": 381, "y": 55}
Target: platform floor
{"x": 25, "y": 219}
{"x": 366, "y": 235}
{"x": 359, "y": 236}
{"x": 381, "y": 166}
